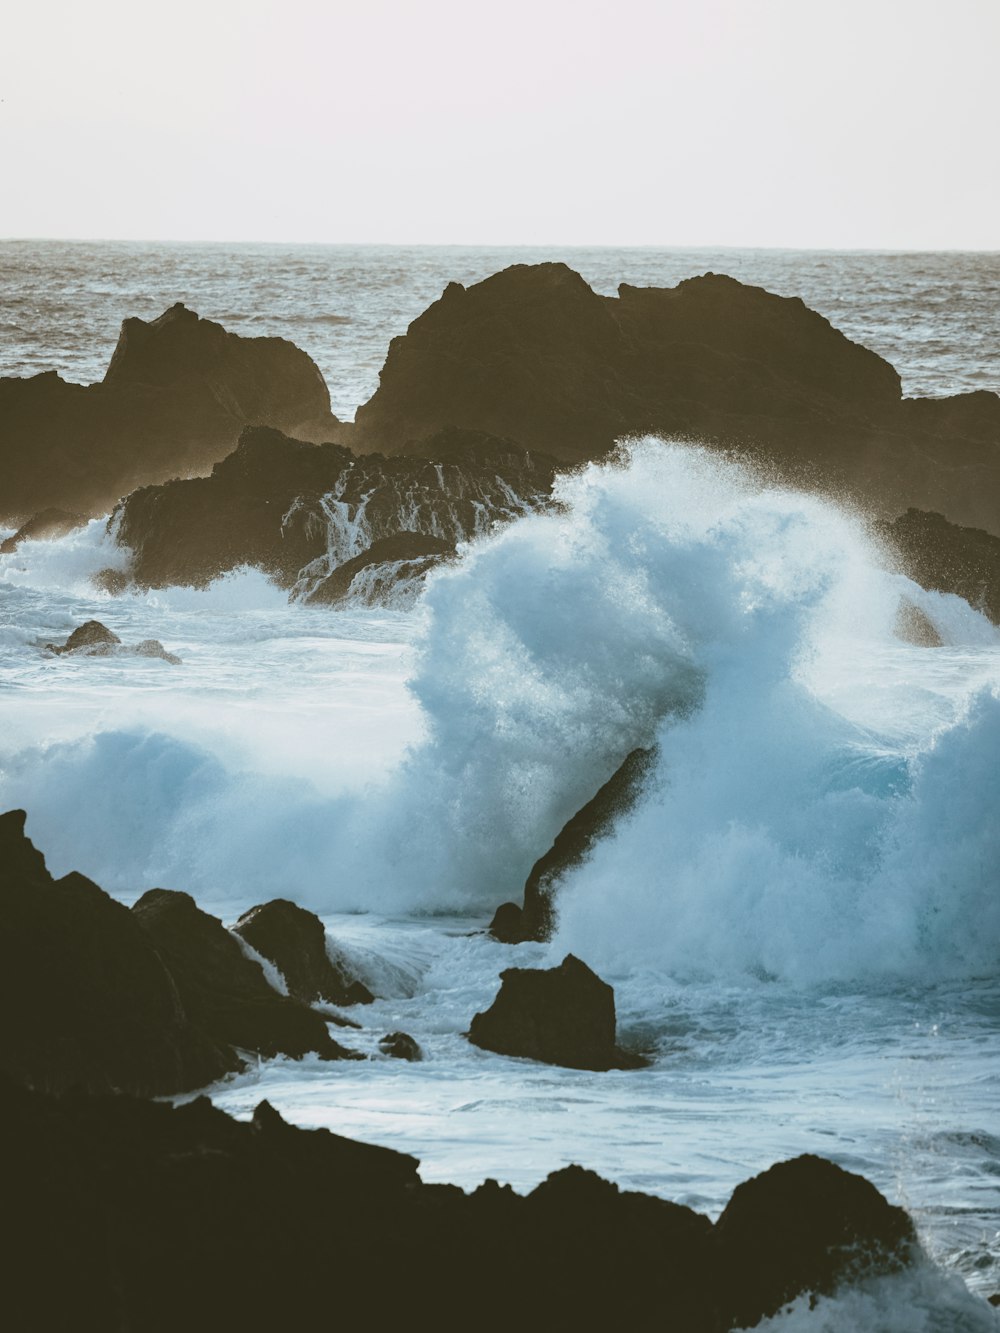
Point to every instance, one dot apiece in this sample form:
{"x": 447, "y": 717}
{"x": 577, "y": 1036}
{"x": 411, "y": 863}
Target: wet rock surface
{"x": 43, "y": 526}
{"x": 294, "y": 940}
{"x": 401, "y": 1046}
{"x": 562, "y": 1015}
{"x": 92, "y": 639}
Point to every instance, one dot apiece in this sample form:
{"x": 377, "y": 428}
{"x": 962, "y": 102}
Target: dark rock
{"x": 915, "y": 626}
{"x": 507, "y": 925}
{"x": 576, "y": 840}
{"x": 294, "y": 940}
{"x": 224, "y": 993}
{"x": 405, "y": 557}
{"x": 298, "y": 511}
{"x": 562, "y": 1015}
{"x": 945, "y": 557}
{"x": 85, "y": 999}
{"x": 175, "y": 397}
{"x": 91, "y": 634}
{"x": 535, "y": 355}
{"x": 160, "y": 1218}
{"x": 805, "y": 1225}
{"x": 401, "y": 1046}
{"x": 112, "y": 581}
{"x": 45, "y": 526}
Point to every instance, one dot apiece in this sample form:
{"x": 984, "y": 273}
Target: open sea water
{"x": 801, "y": 919}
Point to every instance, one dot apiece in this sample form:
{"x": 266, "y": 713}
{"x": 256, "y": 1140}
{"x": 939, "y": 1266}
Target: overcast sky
{"x": 870, "y": 123}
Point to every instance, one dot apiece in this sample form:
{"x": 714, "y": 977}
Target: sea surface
{"x": 801, "y": 919}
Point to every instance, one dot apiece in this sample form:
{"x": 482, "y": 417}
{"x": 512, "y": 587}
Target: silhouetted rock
{"x": 175, "y": 397}
{"x": 572, "y": 846}
{"x": 299, "y": 511}
{"x": 805, "y": 1225}
{"x": 386, "y": 565}
{"x": 140, "y": 1215}
{"x": 294, "y": 940}
{"x": 224, "y": 993}
{"x": 561, "y": 1015}
{"x": 535, "y": 355}
{"x": 45, "y": 526}
{"x": 401, "y": 1046}
{"x": 945, "y": 557}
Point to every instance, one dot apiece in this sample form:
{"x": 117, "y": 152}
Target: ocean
{"x": 801, "y": 918}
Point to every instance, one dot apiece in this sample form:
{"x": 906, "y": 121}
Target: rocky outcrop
{"x": 534, "y": 354}
{"x": 294, "y": 940}
{"x": 561, "y": 1015}
{"x": 175, "y": 397}
{"x": 154, "y": 1000}
{"x": 258, "y": 1224}
{"x": 44, "y": 526}
{"x": 300, "y": 511}
{"x": 575, "y": 841}
{"x": 379, "y": 575}
{"x": 224, "y": 993}
{"x": 92, "y": 639}
{"x": 401, "y": 1046}
{"x": 945, "y": 557}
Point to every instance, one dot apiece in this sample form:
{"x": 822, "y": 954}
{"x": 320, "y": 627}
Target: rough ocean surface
{"x": 800, "y": 918}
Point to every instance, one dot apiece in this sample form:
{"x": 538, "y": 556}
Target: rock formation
{"x": 152, "y": 1000}
{"x": 377, "y": 575}
{"x": 137, "y": 1215}
{"x": 44, "y": 526}
{"x": 945, "y": 557}
{"x": 561, "y": 1015}
{"x": 92, "y": 639}
{"x": 176, "y": 395}
{"x": 294, "y": 940}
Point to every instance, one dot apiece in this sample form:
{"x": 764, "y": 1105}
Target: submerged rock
{"x": 294, "y": 940}
{"x": 175, "y": 397}
{"x": 44, "y": 526}
{"x": 223, "y": 992}
{"x": 401, "y": 1046}
{"x": 562, "y": 1015}
{"x": 92, "y": 639}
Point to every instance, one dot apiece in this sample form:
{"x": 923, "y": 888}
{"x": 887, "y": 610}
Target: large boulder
{"x": 562, "y": 1015}
{"x": 805, "y": 1225}
{"x": 573, "y": 845}
{"x": 174, "y": 399}
{"x": 224, "y": 993}
{"x": 299, "y": 511}
{"x": 535, "y": 355}
{"x": 294, "y": 940}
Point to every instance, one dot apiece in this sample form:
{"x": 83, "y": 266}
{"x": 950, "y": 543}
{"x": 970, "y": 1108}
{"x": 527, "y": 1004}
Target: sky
{"x": 800, "y": 123}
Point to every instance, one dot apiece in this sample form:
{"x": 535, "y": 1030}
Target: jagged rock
{"x": 223, "y": 992}
{"x": 294, "y": 940}
{"x": 45, "y": 526}
{"x": 387, "y": 563}
{"x": 176, "y": 395}
{"x": 110, "y": 1194}
{"x": 946, "y": 557}
{"x": 573, "y": 845}
{"x": 401, "y": 1046}
{"x": 534, "y": 354}
{"x": 561, "y": 1015}
{"x": 805, "y": 1225}
{"x": 298, "y": 511}
{"x": 85, "y": 999}
{"x": 915, "y": 626}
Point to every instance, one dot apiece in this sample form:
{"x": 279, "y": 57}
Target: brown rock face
{"x": 175, "y": 397}
{"x": 534, "y": 354}
{"x": 44, "y": 526}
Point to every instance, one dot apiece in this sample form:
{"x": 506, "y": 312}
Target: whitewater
{"x": 800, "y": 918}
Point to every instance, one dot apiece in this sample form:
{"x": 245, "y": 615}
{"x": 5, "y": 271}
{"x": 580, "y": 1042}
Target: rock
{"x": 224, "y": 993}
{"x": 112, "y": 581}
{"x": 174, "y": 399}
{"x": 404, "y": 558}
{"x": 401, "y": 1046}
{"x": 945, "y": 557}
{"x": 562, "y": 1015}
{"x": 92, "y": 639}
{"x": 45, "y": 526}
{"x": 805, "y": 1225}
{"x": 298, "y": 511}
{"x": 154, "y": 648}
{"x": 85, "y": 999}
{"x": 113, "y": 1193}
{"x": 572, "y": 846}
{"x": 915, "y": 626}
{"x": 294, "y": 940}
{"x": 534, "y": 355}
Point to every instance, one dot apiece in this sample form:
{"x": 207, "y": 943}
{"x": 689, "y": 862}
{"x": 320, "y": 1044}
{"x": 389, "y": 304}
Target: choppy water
{"x": 801, "y": 920}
